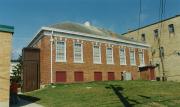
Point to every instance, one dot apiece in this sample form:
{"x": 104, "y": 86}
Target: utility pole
{"x": 161, "y": 58}
{"x": 161, "y": 12}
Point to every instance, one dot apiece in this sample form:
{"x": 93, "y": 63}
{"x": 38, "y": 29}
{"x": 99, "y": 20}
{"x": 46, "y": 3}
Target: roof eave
{"x": 5, "y": 28}
{"x": 35, "y": 37}
{"x": 150, "y": 24}
{"x": 85, "y": 35}
{"x": 95, "y": 36}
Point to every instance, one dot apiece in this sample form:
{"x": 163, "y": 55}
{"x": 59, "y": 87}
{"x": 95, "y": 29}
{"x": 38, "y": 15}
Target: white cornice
{"x": 84, "y": 35}
{"x": 34, "y": 40}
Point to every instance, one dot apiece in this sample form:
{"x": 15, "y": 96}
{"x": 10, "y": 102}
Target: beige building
{"x": 164, "y": 38}
{"x": 5, "y": 57}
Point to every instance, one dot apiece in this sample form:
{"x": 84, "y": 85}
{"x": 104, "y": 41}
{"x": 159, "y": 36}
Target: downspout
{"x": 51, "y": 40}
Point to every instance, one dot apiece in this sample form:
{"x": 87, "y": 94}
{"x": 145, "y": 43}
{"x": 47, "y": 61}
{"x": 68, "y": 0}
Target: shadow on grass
{"x": 25, "y": 100}
{"x": 146, "y": 97}
{"x": 118, "y": 90}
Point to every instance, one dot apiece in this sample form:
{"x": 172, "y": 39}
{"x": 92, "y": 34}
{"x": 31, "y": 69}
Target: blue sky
{"x": 27, "y": 16}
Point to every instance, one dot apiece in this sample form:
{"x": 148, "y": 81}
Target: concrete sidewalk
{"x": 24, "y": 103}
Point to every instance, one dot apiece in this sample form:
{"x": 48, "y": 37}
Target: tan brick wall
{"x": 5, "y": 57}
{"x": 87, "y": 67}
{"x": 170, "y": 42}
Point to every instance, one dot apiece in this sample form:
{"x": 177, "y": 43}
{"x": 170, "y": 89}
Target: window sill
{"x": 110, "y": 63}
{"x": 97, "y": 63}
{"x": 123, "y": 64}
{"x": 79, "y": 62}
{"x": 133, "y": 65}
{"x": 61, "y": 61}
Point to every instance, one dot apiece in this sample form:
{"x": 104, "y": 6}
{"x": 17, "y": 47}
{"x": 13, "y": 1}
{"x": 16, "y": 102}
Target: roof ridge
{"x": 95, "y": 31}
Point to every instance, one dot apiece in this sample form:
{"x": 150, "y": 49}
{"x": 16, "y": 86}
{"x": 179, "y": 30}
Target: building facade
{"x": 71, "y": 52}
{"x": 5, "y": 56}
{"x": 164, "y": 38}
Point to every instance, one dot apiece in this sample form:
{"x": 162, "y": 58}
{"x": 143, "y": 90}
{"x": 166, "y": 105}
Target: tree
{"x": 17, "y": 69}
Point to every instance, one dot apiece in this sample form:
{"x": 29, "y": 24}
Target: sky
{"x": 28, "y": 16}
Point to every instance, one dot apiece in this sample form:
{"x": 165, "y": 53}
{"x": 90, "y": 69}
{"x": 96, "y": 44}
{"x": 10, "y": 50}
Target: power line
{"x": 140, "y": 12}
{"x": 164, "y": 7}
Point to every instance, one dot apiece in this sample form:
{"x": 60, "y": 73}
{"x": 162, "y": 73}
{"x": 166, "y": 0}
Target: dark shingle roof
{"x": 76, "y": 27}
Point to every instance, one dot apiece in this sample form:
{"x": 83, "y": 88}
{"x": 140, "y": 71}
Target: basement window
{"x": 143, "y": 37}
{"x": 171, "y": 28}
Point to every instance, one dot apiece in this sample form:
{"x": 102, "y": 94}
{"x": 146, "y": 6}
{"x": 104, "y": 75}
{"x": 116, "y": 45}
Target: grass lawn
{"x": 110, "y": 94}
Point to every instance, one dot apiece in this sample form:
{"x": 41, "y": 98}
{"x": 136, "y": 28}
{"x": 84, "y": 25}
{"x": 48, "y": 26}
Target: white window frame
{"x": 143, "y": 63}
{"x": 80, "y": 61}
{"x": 99, "y": 62}
{"x": 134, "y": 56}
{"x": 112, "y": 56}
{"x": 125, "y": 63}
{"x": 59, "y": 60}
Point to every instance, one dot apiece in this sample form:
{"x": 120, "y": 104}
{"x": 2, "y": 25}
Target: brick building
{"x": 163, "y": 36}
{"x": 71, "y": 52}
{"x": 5, "y": 58}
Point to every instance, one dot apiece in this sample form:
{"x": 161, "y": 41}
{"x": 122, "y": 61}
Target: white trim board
{"x": 48, "y": 31}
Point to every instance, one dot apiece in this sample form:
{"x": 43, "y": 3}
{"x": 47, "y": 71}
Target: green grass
{"x": 110, "y": 94}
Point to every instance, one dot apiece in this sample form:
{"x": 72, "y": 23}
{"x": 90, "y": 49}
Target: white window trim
{"x": 100, "y": 62}
{"x": 112, "y": 56}
{"x": 143, "y": 59}
{"x": 81, "y": 61}
{"x": 64, "y": 51}
{"x": 134, "y": 57}
{"x": 124, "y": 56}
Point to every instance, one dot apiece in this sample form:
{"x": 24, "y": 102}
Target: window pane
{"x": 109, "y": 56}
{"x": 155, "y": 33}
{"x": 143, "y": 37}
{"x": 141, "y": 57}
{"x": 60, "y": 51}
{"x": 122, "y": 56}
{"x": 96, "y": 54}
{"x": 132, "y": 57}
{"x": 171, "y": 28}
{"x": 77, "y": 52}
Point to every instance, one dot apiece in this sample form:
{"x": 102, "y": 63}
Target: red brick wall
{"x": 87, "y": 67}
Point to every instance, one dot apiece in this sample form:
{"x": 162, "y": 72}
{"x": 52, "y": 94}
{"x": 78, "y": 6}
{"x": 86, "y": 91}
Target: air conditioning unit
{"x": 127, "y": 76}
